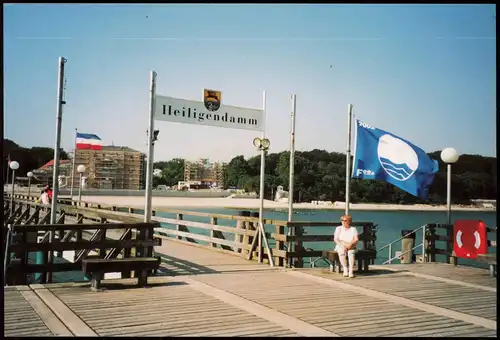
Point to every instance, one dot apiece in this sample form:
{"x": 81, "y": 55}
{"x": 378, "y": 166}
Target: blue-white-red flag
{"x": 88, "y": 141}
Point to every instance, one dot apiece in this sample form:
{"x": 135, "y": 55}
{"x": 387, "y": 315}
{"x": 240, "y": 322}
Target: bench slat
{"x": 119, "y": 265}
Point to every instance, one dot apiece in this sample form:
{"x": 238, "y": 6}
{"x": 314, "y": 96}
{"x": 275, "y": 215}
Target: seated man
{"x": 346, "y": 238}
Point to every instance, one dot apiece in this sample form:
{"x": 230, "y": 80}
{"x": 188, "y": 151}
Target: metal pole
{"x": 261, "y": 196}
{"x": 12, "y": 193}
{"x": 292, "y": 161}
{"x": 29, "y": 187}
{"x": 448, "y": 192}
{"x": 291, "y": 230}
{"x": 80, "y": 189}
{"x": 262, "y": 233}
{"x": 423, "y": 243}
{"x": 73, "y": 168}
{"x": 5, "y": 261}
{"x": 348, "y": 159}
{"x": 57, "y": 148}
{"x": 149, "y": 166}
{"x": 8, "y": 170}
{"x": 262, "y": 179}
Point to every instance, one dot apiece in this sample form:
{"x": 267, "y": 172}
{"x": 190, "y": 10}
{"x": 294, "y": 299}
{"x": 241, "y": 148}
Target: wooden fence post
{"x": 280, "y": 230}
{"x": 213, "y": 221}
{"x": 242, "y": 225}
{"x": 298, "y": 248}
{"x": 451, "y": 258}
{"x": 179, "y": 227}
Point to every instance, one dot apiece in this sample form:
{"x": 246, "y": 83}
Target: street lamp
{"x": 449, "y": 156}
{"x": 14, "y": 166}
{"x": 262, "y": 144}
{"x": 30, "y": 174}
{"x": 80, "y": 169}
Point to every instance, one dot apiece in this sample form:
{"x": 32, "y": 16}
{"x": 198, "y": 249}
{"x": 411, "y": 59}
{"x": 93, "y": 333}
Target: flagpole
{"x": 149, "y": 165}
{"x": 57, "y": 154}
{"x": 8, "y": 169}
{"x": 73, "y": 168}
{"x": 57, "y": 151}
{"x": 348, "y": 159}
{"x": 291, "y": 231}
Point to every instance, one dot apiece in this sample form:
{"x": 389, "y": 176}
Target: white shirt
{"x": 345, "y": 234}
{"x": 45, "y": 198}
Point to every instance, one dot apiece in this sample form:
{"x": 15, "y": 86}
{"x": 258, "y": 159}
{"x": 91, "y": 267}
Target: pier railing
{"x": 433, "y": 239}
{"x": 78, "y": 230}
{"x": 23, "y": 241}
{"x": 226, "y": 233}
{"x": 444, "y": 233}
{"x": 304, "y": 235}
{"x": 234, "y": 234}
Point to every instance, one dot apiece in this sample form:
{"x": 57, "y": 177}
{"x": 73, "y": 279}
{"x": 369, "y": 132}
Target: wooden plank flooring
{"x": 203, "y": 292}
{"x": 321, "y": 305}
{"x": 20, "y": 319}
{"x": 471, "y": 275}
{"x": 182, "y": 259}
{"x": 168, "y": 309}
{"x": 447, "y": 295}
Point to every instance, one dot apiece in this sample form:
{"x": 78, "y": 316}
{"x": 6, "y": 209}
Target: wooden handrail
{"x": 106, "y": 207}
{"x": 235, "y": 240}
{"x": 76, "y": 227}
{"x": 326, "y": 224}
{"x": 26, "y": 242}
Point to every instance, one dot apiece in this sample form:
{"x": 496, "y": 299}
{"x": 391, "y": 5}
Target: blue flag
{"x": 383, "y": 156}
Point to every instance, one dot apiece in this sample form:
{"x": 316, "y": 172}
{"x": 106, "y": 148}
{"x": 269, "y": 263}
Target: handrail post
{"x": 390, "y": 253}
{"x": 423, "y": 243}
{"x": 5, "y": 261}
{"x": 290, "y": 244}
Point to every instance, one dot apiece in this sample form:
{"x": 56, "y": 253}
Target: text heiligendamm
{"x": 202, "y": 116}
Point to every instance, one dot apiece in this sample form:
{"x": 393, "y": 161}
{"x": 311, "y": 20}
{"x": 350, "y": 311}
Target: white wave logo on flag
{"x": 397, "y": 158}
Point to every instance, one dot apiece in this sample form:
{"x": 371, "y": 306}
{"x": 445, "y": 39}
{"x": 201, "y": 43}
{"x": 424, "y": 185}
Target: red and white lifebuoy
{"x": 470, "y": 238}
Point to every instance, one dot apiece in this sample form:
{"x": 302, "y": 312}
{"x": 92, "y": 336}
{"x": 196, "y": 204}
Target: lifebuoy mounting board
{"x": 469, "y": 238}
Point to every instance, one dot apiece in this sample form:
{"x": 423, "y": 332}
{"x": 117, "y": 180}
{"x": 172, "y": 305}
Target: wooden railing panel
{"x": 24, "y": 243}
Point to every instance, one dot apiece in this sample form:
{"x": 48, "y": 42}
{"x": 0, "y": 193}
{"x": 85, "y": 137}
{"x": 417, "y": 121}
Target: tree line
{"x": 319, "y": 175}
{"x": 29, "y": 159}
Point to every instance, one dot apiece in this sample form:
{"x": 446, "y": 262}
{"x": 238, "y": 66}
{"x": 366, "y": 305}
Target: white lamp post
{"x": 80, "y": 169}
{"x": 30, "y": 174}
{"x": 262, "y": 144}
{"x": 449, "y": 156}
{"x": 14, "y": 166}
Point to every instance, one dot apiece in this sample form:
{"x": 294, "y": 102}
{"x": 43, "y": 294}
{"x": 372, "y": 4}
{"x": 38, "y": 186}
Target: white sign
{"x": 205, "y": 113}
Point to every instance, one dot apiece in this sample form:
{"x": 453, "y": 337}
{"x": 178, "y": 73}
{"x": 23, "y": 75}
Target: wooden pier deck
{"x": 204, "y": 292}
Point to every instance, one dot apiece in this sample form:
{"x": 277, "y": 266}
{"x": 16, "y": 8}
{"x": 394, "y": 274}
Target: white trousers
{"x": 342, "y": 257}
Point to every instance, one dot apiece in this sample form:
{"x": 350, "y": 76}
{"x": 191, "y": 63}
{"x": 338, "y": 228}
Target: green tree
{"x": 28, "y": 158}
{"x": 172, "y": 172}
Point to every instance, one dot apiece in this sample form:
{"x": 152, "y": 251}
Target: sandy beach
{"x": 245, "y": 203}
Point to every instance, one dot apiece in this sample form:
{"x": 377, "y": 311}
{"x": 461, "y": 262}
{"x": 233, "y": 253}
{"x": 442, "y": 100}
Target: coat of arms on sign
{"x": 212, "y": 99}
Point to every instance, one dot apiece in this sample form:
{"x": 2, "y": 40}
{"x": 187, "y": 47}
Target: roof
{"x": 51, "y": 163}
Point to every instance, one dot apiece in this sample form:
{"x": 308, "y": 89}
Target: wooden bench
{"x": 491, "y": 259}
{"x": 363, "y": 256}
{"x": 96, "y": 268}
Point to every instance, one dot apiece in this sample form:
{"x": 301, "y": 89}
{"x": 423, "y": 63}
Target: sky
{"x": 426, "y": 73}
